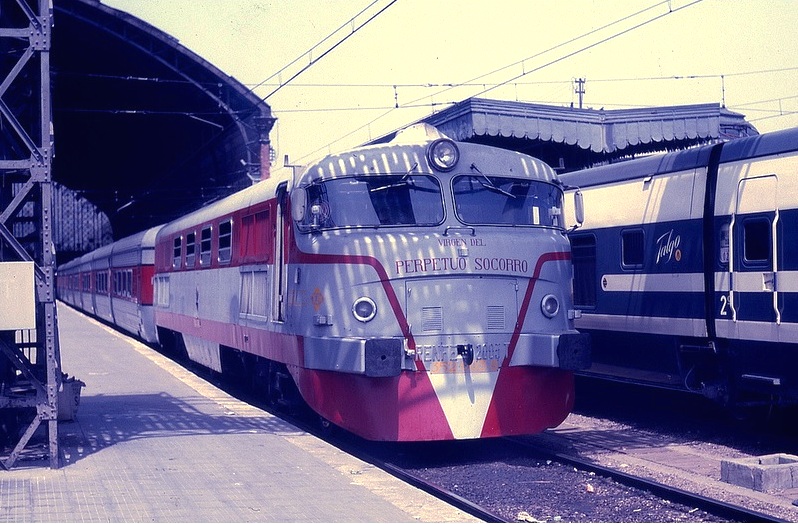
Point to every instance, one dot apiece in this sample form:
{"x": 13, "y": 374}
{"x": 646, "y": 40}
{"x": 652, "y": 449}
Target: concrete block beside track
{"x": 764, "y": 473}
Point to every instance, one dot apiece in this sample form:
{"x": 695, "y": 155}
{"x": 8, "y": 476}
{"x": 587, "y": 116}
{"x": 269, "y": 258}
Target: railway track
{"x": 462, "y": 474}
{"x": 386, "y": 459}
{"x": 723, "y": 510}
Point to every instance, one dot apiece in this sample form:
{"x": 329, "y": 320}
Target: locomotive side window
{"x": 583, "y": 255}
{"x": 495, "y": 200}
{"x": 162, "y": 291}
{"x": 177, "y": 251}
{"x": 254, "y": 294}
{"x": 632, "y": 248}
{"x": 205, "y": 246}
{"x": 191, "y": 241}
{"x": 254, "y": 244}
{"x": 225, "y": 241}
{"x": 372, "y": 201}
{"x": 756, "y": 240}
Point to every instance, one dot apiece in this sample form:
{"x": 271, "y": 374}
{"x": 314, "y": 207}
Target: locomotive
{"x": 411, "y": 291}
{"x": 685, "y": 272}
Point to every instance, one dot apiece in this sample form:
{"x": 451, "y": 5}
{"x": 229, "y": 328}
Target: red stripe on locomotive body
{"x": 396, "y": 307}
{"x": 280, "y": 347}
{"x": 522, "y": 312}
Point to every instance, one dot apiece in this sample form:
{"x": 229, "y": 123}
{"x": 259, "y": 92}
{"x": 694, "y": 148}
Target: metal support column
{"x": 30, "y": 367}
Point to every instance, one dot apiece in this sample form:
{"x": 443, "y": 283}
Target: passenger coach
{"x": 686, "y": 269}
{"x": 114, "y": 283}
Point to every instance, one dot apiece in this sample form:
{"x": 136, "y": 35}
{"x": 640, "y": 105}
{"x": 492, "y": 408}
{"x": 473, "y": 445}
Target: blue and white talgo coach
{"x": 686, "y": 269}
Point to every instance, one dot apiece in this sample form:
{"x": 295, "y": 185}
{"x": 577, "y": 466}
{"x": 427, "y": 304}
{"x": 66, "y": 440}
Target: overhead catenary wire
{"x": 309, "y": 53}
{"x": 538, "y": 68}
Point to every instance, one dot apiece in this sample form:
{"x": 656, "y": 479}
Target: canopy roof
{"x": 571, "y": 138}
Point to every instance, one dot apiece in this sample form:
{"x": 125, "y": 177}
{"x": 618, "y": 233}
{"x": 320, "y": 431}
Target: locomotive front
{"x": 430, "y": 285}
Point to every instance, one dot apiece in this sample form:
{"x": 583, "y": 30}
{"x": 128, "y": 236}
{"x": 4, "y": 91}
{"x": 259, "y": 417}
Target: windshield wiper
{"x": 404, "y": 181}
{"x": 487, "y": 184}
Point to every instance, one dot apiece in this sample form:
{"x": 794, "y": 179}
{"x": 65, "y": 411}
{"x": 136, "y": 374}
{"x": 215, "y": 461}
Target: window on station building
{"x": 205, "y": 246}
{"x": 225, "y": 241}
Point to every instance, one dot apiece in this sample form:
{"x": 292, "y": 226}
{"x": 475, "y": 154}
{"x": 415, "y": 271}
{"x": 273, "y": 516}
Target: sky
{"x": 365, "y": 68}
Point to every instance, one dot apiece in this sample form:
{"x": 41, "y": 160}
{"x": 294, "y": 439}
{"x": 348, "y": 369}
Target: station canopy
{"x": 144, "y": 129}
{"x": 569, "y": 138}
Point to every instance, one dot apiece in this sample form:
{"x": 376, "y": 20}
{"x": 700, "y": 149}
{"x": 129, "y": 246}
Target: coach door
{"x": 753, "y": 299}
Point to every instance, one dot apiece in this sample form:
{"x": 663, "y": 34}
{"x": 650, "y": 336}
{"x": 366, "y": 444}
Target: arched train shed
{"x": 145, "y": 130}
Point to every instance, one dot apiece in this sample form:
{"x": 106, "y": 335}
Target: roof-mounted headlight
{"x": 443, "y": 154}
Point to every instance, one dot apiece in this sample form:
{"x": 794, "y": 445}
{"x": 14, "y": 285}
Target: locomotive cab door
{"x": 279, "y": 275}
{"x": 753, "y": 300}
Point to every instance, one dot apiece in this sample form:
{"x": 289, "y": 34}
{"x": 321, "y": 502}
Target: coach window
{"x": 225, "y": 241}
{"x": 205, "y": 246}
{"x": 191, "y": 240}
{"x": 756, "y": 241}
{"x": 632, "y": 248}
{"x": 102, "y": 283}
{"x": 176, "y": 251}
{"x": 129, "y": 283}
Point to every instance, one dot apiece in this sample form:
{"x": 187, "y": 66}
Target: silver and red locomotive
{"x": 410, "y": 291}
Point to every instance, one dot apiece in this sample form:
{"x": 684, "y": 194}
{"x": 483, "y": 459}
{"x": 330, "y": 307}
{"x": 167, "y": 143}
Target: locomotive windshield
{"x": 495, "y": 200}
{"x": 371, "y": 201}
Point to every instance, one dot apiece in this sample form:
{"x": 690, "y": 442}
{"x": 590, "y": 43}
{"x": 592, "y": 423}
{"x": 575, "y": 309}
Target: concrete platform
{"x": 153, "y": 442}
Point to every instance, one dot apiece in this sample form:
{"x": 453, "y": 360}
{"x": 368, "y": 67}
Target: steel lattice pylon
{"x": 30, "y": 367}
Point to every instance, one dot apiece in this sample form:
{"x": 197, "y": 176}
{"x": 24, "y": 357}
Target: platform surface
{"x": 153, "y": 442}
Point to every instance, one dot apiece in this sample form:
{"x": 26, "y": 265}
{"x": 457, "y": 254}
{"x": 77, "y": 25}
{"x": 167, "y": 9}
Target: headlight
{"x": 550, "y": 306}
{"x": 364, "y": 309}
{"x": 443, "y": 154}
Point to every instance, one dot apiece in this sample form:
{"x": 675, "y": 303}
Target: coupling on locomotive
{"x": 415, "y": 290}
